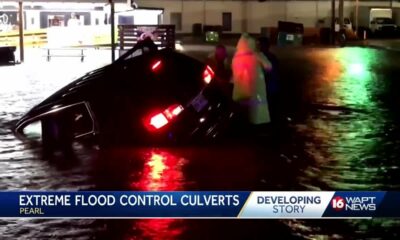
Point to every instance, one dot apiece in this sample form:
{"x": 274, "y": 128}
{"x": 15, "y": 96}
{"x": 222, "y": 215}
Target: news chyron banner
{"x": 198, "y": 204}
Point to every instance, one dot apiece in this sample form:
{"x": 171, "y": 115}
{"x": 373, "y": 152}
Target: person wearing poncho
{"x": 249, "y": 88}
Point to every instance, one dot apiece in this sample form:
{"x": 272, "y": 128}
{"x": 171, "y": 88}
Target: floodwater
{"x": 341, "y": 133}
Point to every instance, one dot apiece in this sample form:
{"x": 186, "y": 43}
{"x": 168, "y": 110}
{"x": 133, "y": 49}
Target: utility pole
{"x": 357, "y": 3}
{"x": 21, "y": 31}
{"x": 341, "y": 20}
{"x": 112, "y": 30}
{"x": 244, "y": 16}
{"x": 204, "y": 13}
{"x": 333, "y": 21}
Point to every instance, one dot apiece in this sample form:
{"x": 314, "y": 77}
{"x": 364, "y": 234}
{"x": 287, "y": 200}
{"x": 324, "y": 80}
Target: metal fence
{"x": 162, "y": 35}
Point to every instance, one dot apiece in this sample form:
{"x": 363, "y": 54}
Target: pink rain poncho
{"x": 248, "y": 80}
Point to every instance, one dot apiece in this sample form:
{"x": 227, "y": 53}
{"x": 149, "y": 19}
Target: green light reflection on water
{"x": 343, "y": 146}
{"x": 357, "y": 76}
{"x": 348, "y": 149}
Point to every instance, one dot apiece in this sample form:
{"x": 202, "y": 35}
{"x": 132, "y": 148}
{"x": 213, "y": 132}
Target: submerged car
{"x": 155, "y": 96}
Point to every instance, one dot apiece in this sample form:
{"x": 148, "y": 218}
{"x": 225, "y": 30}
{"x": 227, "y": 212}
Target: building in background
{"x": 233, "y": 16}
{"x": 61, "y": 21}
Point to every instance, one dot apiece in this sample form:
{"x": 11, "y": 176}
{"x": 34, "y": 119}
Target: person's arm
{"x": 264, "y": 61}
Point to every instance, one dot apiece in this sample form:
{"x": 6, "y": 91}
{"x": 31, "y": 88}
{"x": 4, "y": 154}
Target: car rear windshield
{"x": 167, "y": 74}
{"x": 179, "y": 74}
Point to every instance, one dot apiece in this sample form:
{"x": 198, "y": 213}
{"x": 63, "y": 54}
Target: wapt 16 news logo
{"x": 354, "y": 203}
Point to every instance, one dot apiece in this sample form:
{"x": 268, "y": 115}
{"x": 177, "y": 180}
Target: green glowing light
{"x": 356, "y": 75}
{"x": 357, "y": 68}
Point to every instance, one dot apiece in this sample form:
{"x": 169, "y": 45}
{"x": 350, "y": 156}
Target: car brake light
{"x": 156, "y": 65}
{"x": 158, "y": 121}
{"x": 208, "y": 74}
{"x": 173, "y": 111}
{"x": 161, "y": 119}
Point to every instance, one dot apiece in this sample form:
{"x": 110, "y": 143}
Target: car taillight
{"x": 173, "y": 111}
{"x": 208, "y": 74}
{"x": 160, "y": 119}
{"x": 156, "y": 65}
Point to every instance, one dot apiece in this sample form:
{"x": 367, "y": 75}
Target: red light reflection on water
{"x": 160, "y": 229}
{"x": 162, "y": 171}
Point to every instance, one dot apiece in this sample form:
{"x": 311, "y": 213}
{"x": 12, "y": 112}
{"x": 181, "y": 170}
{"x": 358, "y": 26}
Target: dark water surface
{"x": 342, "y": 133}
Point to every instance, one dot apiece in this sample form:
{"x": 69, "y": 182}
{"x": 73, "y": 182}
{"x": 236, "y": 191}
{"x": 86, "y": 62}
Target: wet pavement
{"x": 341, "y": 133}
{"x": 389, "y": 44}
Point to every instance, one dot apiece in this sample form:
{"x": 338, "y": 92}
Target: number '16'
{"x": 338, "y": 203}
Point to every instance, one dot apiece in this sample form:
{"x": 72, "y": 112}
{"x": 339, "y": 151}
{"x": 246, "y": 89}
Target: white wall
{"x": 36, "y": 19}
{"x": 248, "y": 16}
{"x": 264, "y": 14}
{"x": 192, "y": 13}
{"x": 97, "y": 15}
{"x": 323, "y": 10}
{"x": 215, "y": 9}
{"x": 168, "y": 6}
{"x": 302, "y": 12}
{"x": 209, "y": 13}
